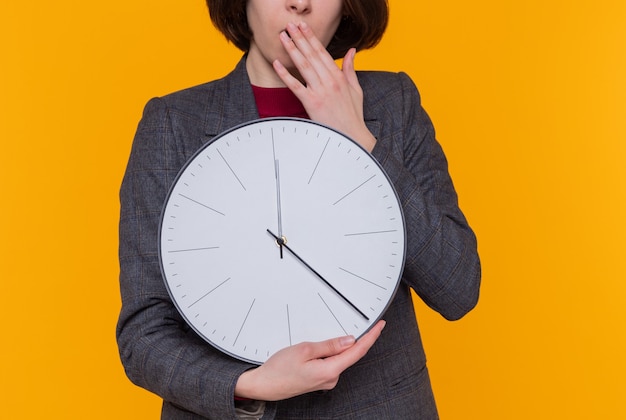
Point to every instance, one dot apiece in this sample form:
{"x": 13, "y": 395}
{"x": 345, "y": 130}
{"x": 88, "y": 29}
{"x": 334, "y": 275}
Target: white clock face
{"x": 239, "y": 285}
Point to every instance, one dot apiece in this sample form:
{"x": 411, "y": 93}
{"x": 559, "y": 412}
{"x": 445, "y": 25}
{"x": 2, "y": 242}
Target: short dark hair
{"x": 362, "y": 26}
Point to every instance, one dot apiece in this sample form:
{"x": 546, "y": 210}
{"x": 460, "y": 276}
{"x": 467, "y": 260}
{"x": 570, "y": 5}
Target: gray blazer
{"x": 162, "y": 354}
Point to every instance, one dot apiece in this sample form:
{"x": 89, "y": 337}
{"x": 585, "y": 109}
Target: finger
{"x": 348, "y": 68}
{"x": 317, "y": 48}
{"x": 311, "y": 57}
{"x": 369, "y": 338}
{"x": 353, "y": 354}
{"x": 300, "y": 54}
{"x": 288, "y": 79}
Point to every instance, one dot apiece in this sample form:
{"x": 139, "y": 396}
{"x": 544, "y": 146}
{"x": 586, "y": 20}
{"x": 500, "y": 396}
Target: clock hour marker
{"x": 231, "y": 170}
{"x": 371, "y": 233}
{"x": 201, "y": 204}
{"x": 319, "y": 160}
{"x": 289, "y": 325}
{"x": 362, "y": 278}
{"x": 333, "y": 314}
{"x": 363, "y": 183}
{"x": 193, "y": 249}
{"x": 244, "y": 323}
{"x": 211, "y": 291}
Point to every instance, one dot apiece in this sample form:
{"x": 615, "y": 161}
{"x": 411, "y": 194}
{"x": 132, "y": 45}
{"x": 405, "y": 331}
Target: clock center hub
{"x": 281, "y": 241}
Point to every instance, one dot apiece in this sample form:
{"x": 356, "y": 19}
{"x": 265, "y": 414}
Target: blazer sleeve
{"x": 442, "y": 263}
{"x": 157, "y": 348}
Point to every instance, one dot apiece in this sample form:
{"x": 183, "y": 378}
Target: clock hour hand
{"x": 281, "y": 241}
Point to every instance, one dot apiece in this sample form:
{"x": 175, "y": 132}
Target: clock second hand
{"x": 278, "y": 207}
{"x": 282, "y": 243}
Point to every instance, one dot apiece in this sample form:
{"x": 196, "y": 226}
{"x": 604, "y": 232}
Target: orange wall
{"x": 529, "y": 101}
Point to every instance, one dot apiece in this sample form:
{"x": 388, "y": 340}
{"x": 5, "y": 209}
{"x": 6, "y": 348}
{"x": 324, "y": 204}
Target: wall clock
{"x": 279, "y": 231}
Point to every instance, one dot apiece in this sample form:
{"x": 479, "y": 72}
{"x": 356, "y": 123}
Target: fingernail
{"x": 346, "y": 341}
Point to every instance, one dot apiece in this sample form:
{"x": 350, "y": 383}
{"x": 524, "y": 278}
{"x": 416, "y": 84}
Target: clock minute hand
{"x": 281, "y": 242}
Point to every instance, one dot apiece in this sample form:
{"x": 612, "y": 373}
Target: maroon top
{"x": 277, "y": 102}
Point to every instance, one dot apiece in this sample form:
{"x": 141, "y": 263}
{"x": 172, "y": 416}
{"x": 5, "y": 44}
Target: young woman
{"x": 288, "y": 69}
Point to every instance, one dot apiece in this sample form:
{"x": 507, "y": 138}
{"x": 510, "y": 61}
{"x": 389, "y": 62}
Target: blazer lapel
{"x": 374, "y": 126}
{"x": 232, "y": 103}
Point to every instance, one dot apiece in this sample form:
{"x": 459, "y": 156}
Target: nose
{"x": 299, "y": 6}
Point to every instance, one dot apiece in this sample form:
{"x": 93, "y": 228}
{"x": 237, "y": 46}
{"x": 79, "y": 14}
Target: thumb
{"x": 331, "y": 347}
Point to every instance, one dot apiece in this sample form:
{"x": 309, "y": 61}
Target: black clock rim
{"x": 225, "y": 133}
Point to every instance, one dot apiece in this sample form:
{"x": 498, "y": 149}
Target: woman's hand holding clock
{"x": 305, "y": 367}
